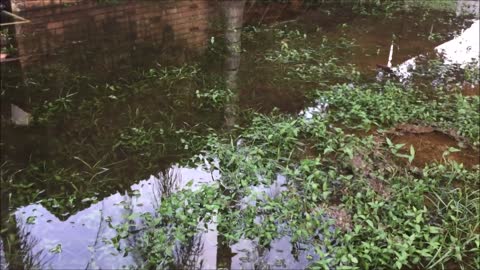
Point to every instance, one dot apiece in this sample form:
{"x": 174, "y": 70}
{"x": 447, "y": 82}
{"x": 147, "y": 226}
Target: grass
{"x": 385, "y": 106}
{"x": 395, "y": 224}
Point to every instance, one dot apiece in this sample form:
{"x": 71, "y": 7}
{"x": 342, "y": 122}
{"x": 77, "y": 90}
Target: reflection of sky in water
{"x": 461, "y": 50}
{"x": 282, "y": 255}
{"x": 464, "y": 48}
{"x": 84, "y": 236}
{"x": 2, "y": 256}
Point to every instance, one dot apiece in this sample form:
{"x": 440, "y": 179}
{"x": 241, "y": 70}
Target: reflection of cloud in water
{"x": 83, "y": 236}
{"x": 468, "y": 7}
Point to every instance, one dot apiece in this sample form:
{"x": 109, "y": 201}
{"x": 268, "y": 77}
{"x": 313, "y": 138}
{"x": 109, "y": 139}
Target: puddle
{"x": 84, "y": 236}
{"x": 461, "y": 50}
{"x": 464, "y": 48}
{"x": 282, "y": 254}
{"x": 82, "y": 240}
{"x": 78, "y": 56}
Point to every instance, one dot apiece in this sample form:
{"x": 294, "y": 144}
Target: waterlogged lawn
{"x": 361, "y": 200}
{"x": 352, "y": 198}
{"x": 351, "y": 192}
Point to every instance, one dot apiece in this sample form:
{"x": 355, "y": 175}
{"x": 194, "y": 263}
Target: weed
{"x": 49, "y": 109}
{"x": 216, "y": 97}
{"x": 137, "y": 139}
{"x": 388, "y": 105}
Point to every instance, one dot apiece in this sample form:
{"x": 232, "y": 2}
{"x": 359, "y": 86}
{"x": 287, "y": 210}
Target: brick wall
{"x": 99, "y": 34}
{"x": 105, "y": 34}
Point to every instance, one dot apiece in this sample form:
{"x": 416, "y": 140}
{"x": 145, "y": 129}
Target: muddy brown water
{"x": 105, "y": 43}
{"x": 434, "y": 146}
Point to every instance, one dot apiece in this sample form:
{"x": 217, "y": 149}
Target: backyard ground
{"x": 301, "y": 135}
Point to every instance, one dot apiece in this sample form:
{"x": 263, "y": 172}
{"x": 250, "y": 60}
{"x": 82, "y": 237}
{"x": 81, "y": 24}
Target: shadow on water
{"x": 77, "y": 177}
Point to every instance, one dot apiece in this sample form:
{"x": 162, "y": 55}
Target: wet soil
{"x": 469, "y": 89}
{"x": 431, "y": 145}
{"x": 342, "y": 219}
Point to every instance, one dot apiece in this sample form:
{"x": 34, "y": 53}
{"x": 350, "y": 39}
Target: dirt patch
{"x": 359, "y": 132}
{"x": 366, "y": 169}
{"x": 379, "y": 187}
{"x": 415, "y": 129}
{"x": 343, "y": 220}
{"x": 430, "y": 146}
{"x": 469, "y": 89}
{"x": 306, "y": 150}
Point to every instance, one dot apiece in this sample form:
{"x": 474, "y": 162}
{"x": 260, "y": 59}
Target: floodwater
{"x": 56, "y": 217}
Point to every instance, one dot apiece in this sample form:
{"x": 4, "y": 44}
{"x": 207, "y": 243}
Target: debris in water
{"x": 320, "y": 108}
{"x": 20, "y": 117}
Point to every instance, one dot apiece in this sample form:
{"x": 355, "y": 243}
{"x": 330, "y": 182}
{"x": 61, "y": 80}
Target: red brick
{"x": 54, "y": 25}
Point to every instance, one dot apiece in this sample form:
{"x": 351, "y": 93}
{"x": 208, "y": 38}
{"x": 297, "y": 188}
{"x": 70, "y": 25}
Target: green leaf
{"x": 389, "y": 142}
{"x": 412, "y": 154}
{"x": 57, "y": 249}
{"x": 369, "y": 222}
{"x": 31, "y": 219}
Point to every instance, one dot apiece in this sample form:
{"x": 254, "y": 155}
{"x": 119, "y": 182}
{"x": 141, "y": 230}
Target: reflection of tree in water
{"x": 167, "y": 183}
{"x": 233, "y": 13}
{"x": 91, "y": 262}
{"x": 18, "y": 243}
{"x": 187, "y": 254}
{"x": 233, "y": 30}
{"x": 21, "y": 251}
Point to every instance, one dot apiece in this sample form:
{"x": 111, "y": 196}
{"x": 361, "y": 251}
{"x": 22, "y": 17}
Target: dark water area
{"x": 87, "y": 89}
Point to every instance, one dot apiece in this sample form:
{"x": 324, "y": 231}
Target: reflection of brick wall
{"x": 112, "y": 29}
{"x": 188, "y": 20}
{"x": 271, "y": 12}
